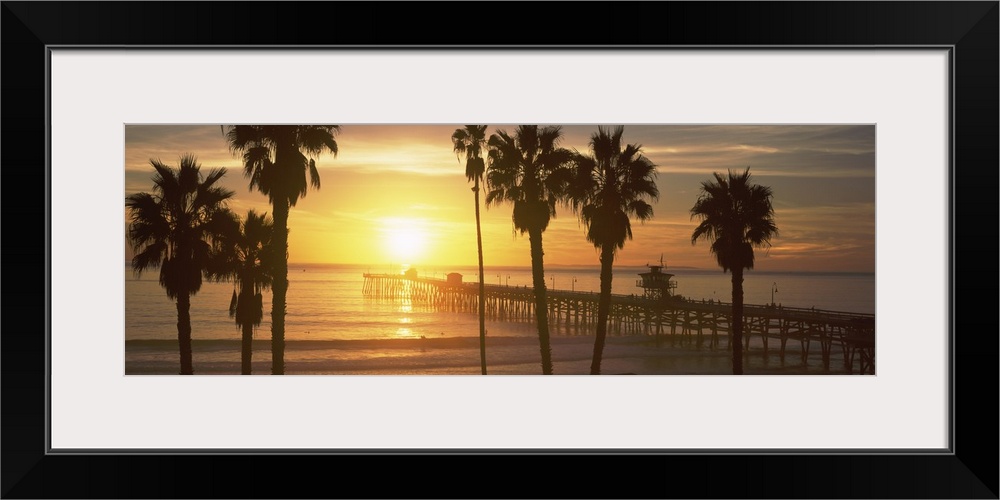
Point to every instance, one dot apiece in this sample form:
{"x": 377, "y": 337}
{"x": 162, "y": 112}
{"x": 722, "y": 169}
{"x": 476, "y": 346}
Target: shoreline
{"x": 633, "y": 355}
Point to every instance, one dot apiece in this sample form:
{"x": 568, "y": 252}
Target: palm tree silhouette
{"x": 173, "y": 229}
{"x": 611, "y": 185}
{"x": 276, "y": 159}
{"x": 471, "y": 140}
{"x": 532, "y": 173}
{"x": 736, "y": 216}
{"x": 244, "y": 254}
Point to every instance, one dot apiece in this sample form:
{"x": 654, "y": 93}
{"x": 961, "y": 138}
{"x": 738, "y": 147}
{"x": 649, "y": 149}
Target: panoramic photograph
{"x": 499, "y": 249}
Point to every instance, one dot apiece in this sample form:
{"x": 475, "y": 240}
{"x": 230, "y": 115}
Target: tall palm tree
{"x": 173, "y": 229}
{"x": 276, "y": 159}
{"x": 736, "y": 216}
{"x": 532, "y": 173}
{"x": 612, "y": 184}
{"x": 244, "y": 255}
{"x": 471, "y": 140}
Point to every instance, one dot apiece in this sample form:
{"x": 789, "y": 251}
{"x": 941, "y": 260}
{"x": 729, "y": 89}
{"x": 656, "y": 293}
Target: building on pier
{"x": 655, "y": 283}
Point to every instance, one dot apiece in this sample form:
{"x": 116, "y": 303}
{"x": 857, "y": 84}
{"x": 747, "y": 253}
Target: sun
{"x": 405, "y": 240}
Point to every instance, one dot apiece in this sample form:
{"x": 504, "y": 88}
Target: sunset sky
{"x": 397, "y": 194}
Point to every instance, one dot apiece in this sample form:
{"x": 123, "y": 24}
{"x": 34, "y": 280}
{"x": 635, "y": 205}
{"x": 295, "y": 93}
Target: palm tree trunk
{"x": 184, "y": 332}
{"x": 247, "y": 350}
{"x": 279, "y": 286}
{"x": 737, "y": 323}
{"x": 541, "y": 306}
{"x": 603, "y": 308}
{"x": 482, "y": 286}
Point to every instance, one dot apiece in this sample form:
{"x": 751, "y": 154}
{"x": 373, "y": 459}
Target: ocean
{"x": 331, "y": 327}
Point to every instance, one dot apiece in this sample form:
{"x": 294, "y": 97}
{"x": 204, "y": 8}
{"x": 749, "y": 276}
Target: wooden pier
{"x": 701, "y": 322}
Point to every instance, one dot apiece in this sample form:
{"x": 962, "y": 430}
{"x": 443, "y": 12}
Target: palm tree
{"x": 244, "y": 255}
{"x": 471, "y": 140}
{"x": 736, "y": 216}
{"x": 532, "y": 173}
{"x": 276, "y": 159}
{"x": 611, "y": 185}
{"x": 173, "y": 229}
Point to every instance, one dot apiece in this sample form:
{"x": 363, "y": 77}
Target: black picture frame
{"x": 969, "y": 471}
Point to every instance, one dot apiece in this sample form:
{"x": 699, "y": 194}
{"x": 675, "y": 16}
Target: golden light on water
{"x": 405, "y": 322}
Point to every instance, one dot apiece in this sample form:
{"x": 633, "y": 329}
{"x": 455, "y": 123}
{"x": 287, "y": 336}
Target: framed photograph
{"x": 382, "y": 276}
{"x": 905, "y": 93}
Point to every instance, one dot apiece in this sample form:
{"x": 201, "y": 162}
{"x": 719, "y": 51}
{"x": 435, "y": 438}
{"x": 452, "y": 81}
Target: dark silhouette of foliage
{"x": 275, "y": 160}
{"x": 244, "y": 255}
{"x": 736, "y": 217}
{"x": 471, "y": 141}
{"x": 173, "y": 228}
{"x": 530, "y": 171}
{"x": 611, "y": 186}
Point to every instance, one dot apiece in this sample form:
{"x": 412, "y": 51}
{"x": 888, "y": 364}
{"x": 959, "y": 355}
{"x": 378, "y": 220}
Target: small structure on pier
{"x": 655, "y": 283}
{"x": 454, "y": 278}
{"x": 411, "y": 273}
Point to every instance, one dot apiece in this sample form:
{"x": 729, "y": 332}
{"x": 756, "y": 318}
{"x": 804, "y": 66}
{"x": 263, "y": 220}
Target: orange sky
{"x": 397, "y": 194}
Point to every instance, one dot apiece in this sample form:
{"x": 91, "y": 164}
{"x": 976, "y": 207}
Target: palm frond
{"x": 530, "y": 171}
{"x": 315, "y": 139}
{"x": 176, "y": 226}
{"x": 737, "y": 216}
{"x": 611, "y": 184}
{"x": 313, "y": 174}
{"x": 278, "y": 158}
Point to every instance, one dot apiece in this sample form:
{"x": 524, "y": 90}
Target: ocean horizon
{"x": 325, "y": 301}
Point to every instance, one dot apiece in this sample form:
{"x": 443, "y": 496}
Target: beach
{"x": 634, "y": 355}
